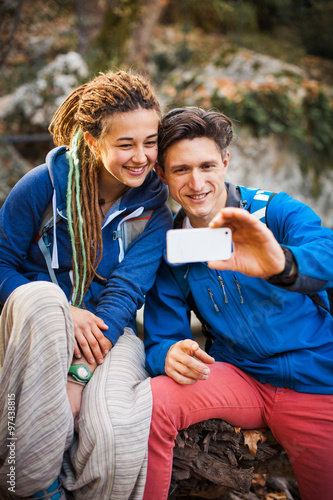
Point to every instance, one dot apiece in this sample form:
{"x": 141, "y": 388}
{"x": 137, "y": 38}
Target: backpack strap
{"x": 42, "y": 239}
{"x": 130, "y": 229}
{"x": 259, "y": 204}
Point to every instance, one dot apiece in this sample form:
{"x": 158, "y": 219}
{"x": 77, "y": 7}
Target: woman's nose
{"x": 139, "y": 155}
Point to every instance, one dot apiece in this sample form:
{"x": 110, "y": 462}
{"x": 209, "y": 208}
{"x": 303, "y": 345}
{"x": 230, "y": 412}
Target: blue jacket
{"x": 127, "y": 279}
{"x": 278, "y": 335}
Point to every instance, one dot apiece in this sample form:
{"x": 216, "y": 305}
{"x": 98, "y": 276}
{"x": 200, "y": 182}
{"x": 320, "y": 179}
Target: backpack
{"x": 130, "y": 229}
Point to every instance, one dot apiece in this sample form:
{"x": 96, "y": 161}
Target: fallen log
{"x": 212, "y": 458}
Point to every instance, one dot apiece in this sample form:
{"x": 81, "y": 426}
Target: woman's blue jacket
{"x": 127, "y": 277}
{"x": 278, "y": 335}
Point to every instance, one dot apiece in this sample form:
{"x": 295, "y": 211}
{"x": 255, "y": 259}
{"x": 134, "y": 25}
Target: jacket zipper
{"x": 223, "y": 288}
{"x": 239, "y": 290}
{"x": 212, "y": 299}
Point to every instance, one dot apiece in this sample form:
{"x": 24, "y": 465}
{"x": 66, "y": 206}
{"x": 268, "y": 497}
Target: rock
{"x": 12, "y": 168}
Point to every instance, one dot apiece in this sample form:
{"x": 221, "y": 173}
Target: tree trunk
{"x": 139, "y": 45}
{"x": 89, "y": 19}
{"x": 8, "y": 29}
{"x": 212, "y": 458}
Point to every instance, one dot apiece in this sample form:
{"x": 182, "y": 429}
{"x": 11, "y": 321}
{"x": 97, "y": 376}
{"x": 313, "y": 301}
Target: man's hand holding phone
{"x": 256, "y": 252}
{"x": 186, "y": 362}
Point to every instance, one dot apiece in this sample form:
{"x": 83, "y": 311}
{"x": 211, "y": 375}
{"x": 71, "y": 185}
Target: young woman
{"x": 63, "y": 354}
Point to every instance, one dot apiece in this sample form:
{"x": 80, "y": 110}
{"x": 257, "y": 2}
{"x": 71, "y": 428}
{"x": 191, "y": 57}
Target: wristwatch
{"x": 80, "y": 372}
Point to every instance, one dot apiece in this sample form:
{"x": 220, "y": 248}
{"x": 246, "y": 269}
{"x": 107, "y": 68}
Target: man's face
{"x": 194, "y": 171}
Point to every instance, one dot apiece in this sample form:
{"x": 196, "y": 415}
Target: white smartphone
{"x": 198, "y": 245}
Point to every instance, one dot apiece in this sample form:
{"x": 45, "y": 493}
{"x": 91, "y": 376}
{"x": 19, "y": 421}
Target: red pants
{"x": 301, "y": 422}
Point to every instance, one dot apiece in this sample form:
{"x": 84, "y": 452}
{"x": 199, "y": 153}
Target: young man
{"x": 271, "y": 362}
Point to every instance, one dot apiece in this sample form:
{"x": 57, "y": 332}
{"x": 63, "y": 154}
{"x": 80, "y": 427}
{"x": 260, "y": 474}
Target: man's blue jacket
{"x": 276, "y": 334}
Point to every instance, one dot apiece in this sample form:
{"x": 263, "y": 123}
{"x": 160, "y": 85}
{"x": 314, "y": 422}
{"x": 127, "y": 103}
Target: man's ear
{"x": 160, "y": 173}
{"x": 226, "y": 159}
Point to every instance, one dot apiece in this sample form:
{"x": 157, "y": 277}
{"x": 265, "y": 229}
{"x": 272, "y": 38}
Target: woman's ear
{"x": 92, "y": 143}
{"x": 160, "y": 173}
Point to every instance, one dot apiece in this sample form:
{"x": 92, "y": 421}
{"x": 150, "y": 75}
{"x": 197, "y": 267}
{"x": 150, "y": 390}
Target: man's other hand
{"x": 185, "y": 362}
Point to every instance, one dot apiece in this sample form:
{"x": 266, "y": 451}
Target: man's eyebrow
{"x": 132, "y": 138}
{"x": 185, "y": 165}
{"x": 178, "y": 165}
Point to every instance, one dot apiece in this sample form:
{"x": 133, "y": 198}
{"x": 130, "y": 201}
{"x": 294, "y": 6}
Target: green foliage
{"x": 315, "y": 25}
{"x": 212, "y": 15}
{"x": 308, "y": 126}
{"x": 271, "y": 13}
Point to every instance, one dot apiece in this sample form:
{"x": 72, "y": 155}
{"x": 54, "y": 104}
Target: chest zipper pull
{"x": 239, "y": 291}
{"x": 223, "y": 289}
{"x": 212, "y": 299}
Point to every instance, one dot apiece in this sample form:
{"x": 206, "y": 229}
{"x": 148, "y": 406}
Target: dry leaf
{"x": 276, "y": 496}
{"x": 237, "y": 430}
{"x": 259, "y": 479}
{"x": 251, "y": 439}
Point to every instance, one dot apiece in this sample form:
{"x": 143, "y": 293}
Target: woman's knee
{"x": 37, "y": 294}
{"x": 35, "y": 310}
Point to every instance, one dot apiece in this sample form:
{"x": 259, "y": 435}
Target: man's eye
{"x": 125, "y": 146}
{"x": 151, "y": 143}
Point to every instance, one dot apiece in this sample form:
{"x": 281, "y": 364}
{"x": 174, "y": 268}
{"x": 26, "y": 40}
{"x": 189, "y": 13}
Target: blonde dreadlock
{"x": 88, "y": 109}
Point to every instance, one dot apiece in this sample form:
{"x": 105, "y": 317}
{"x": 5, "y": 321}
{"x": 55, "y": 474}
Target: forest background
{"x": 266, "y": 64}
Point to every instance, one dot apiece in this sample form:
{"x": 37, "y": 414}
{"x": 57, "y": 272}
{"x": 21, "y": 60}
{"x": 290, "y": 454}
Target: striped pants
{"x": 107, "y": 458}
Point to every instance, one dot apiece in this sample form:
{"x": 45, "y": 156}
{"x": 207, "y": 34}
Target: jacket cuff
{"x": 289, "y": 274}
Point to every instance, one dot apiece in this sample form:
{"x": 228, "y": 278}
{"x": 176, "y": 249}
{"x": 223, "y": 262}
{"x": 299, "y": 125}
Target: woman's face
{"x": 128, "y": 150}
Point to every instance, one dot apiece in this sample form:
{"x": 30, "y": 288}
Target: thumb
{"x": 101, "y": 324}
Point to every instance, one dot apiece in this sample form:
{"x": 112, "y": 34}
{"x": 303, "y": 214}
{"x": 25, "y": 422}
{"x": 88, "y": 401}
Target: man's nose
{"x": 196, "y": 182}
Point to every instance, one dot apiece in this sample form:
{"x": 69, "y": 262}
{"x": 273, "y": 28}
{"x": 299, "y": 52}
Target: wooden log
{"x": 213, "y": 457}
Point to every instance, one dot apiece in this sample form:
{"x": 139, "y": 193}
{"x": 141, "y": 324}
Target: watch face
{"x": 82, "y": 372}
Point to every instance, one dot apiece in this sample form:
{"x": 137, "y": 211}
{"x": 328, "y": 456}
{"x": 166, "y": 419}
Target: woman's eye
{"x": 151, "y": 143}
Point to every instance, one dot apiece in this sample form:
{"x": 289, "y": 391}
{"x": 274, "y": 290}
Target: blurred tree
{"x": 149, "y": 13}
{"x": 10, "y": 15}
{"x": 211, "y": 15}
{"x": 271, "y": 13}
{"x": 315, "y": 19}
{"x": 89, "y": 19}
{"x": 125, "y": 32}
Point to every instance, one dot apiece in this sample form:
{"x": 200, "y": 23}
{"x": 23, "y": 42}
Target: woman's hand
{"x": 184, "y": 362}
{"x": 256, "y": 252}
{"x": 88, "y": 335}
